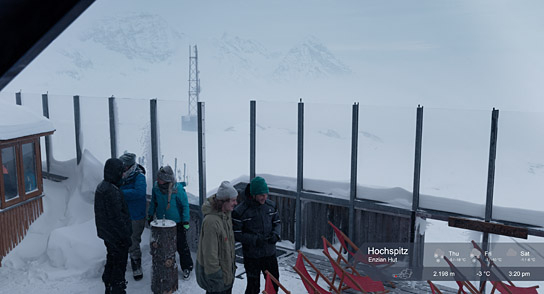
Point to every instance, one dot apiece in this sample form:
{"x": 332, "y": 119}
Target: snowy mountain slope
{"x": 310, "y": 59}
{"x": 142, "y": 36}
{"x": 242, "y": 59}
{"x": 246, "y": 58}
{"x": 111, "y": 56}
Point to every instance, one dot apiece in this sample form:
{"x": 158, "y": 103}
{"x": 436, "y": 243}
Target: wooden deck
{"x": 287, "y": 258}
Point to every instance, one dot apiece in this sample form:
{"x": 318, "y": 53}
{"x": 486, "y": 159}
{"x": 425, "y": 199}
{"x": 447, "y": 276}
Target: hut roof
{"x": 17, "y": 121}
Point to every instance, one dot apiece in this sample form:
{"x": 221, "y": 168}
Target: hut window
{"x": 9, "y": 172}
{"x": 29, "y": 167}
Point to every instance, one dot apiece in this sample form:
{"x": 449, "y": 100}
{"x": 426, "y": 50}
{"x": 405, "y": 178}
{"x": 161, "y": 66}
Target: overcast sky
{"x": 458, "y": 54}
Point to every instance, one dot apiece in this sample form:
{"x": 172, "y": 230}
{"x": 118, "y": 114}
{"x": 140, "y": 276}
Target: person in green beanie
{"x": 257, "y": 226}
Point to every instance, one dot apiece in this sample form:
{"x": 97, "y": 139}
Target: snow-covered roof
{"x": 16, "y": 122}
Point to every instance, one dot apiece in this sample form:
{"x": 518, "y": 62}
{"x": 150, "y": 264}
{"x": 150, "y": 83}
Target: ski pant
{"x": 185, "y": 259}
{"x": 254, "y": 267}
{"x": 228, "y": 291}
{"x": 137, "y": 230}
{"x": 116, "y": 265}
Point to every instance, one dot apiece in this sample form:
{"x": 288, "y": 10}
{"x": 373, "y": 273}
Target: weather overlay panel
{"x": 450, "y": 262}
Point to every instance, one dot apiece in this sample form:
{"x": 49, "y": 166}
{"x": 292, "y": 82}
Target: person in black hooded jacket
{"x": 113, "y": 225}
{"x": 256, "y": 224}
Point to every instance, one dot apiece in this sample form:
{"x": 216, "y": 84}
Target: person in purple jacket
{"x": 134, "y": 189}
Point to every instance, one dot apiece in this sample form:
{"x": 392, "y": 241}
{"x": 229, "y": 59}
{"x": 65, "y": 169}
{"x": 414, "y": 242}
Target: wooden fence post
{"x": 154, "y": 139}
{"x": 353, "y": 176}
{"x": 113, "y": 136}
{"x": 77, "y": 124}
{"x": 417, "y": 239}
{"x": 201, "y": 153}
{"x": 490, "y": 179}
{"x": 252, "y": 138}
{"x": 45, "y": 108}
{"x": 300, "y": 175}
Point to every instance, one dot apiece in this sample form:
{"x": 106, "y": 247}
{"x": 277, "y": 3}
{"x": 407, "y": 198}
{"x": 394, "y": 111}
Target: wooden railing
{"x": 15, "y": 221}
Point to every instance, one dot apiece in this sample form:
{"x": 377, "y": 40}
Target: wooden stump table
{"x": 164, "y": 278}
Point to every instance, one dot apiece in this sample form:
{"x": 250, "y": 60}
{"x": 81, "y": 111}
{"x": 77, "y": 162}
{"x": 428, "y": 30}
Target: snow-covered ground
{"x": 61, "y": 253}
{"x": 450, "y": 57}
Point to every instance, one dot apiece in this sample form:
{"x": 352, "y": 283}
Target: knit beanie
{"x": 258, "y": 186}
{"x": 166, "y": 174}
{"x": 226, "y": 191}
{"x": 128, "y": 159}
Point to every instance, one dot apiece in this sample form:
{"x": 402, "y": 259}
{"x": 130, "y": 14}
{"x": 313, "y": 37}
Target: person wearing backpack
{"x": 134, "y": 189}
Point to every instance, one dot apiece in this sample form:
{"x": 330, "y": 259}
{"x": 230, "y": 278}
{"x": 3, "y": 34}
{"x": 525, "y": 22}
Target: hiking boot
{"x": 136, "y": 265}
{"x": 119, "y": 288}
{"x": 108, "y": 288}
{"x": 185, "y": 274}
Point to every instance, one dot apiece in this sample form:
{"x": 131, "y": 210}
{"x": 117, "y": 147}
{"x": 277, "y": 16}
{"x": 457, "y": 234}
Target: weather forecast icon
{"x": 404, "y": 274}
{"x": 438, "y": 254}
{"x": 474, "y": 255}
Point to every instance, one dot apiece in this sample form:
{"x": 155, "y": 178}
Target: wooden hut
{"x": 21, "y": 185}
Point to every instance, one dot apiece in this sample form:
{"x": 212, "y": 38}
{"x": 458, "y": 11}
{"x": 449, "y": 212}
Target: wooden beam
{"x": 486, "y": 227}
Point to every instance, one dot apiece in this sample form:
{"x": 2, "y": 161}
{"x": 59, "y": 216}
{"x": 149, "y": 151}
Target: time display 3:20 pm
{"x": 519, "y": 274}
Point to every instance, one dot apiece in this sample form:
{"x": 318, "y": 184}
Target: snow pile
{"x": 65, "y": 235}
{"x": 16, "y": 121}
{"x": 76, "y": 247}
{"x": 402, "y": 198}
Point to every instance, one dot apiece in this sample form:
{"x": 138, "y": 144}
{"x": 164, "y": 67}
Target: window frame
{"x": 19, "y": 197}
{"x": 23, "y": 195}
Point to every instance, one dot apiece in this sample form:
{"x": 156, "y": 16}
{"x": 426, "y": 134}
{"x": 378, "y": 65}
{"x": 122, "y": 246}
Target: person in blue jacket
{"x": 169, "y": 200}
{"x": 134, "y": 190}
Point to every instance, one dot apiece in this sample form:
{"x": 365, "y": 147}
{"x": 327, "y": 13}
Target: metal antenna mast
{"x": 189, "y": 121}
{"x": 194, "y": 81}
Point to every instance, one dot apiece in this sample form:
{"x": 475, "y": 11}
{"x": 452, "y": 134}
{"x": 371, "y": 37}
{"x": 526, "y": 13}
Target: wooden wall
{"x": 14, "y": 223}
{"x": 370, "y": 226}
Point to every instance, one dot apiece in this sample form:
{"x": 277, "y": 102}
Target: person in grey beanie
{"x": 215, "y": 266}
{"x": 169, "y": 200}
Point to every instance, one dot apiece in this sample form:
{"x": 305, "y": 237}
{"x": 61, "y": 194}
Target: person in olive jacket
{"x": 169, "y": 200}
{"x": 113, "y": 225}
{"x": 215, "y": 266}
{"x": 257, "y": 226}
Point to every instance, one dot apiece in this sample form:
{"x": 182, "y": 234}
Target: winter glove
{"x": 186, "y": 225}
{"x": 273, "y": 238}
{"x": 261, "y": 241}
{"x": 149, "y": 220}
